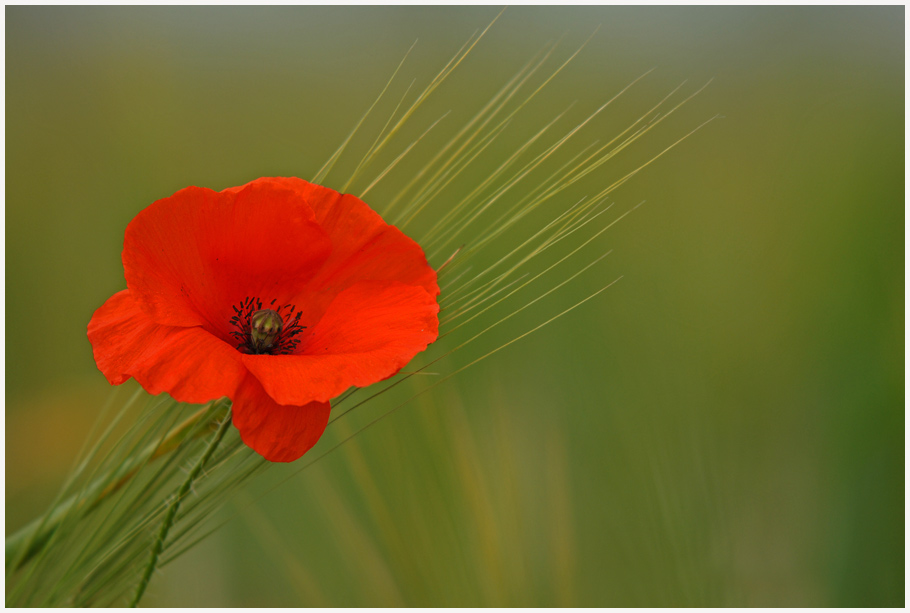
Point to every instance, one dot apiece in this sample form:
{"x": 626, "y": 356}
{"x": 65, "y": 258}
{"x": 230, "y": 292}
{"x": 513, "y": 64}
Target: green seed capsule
{"x": 265, "y": 326}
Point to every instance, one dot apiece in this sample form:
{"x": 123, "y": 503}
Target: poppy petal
{"x": 369, "y": 332}
{"x": 279, "y": 433}
{"x": 190, "y": 258}
{"x": 190, "y": 364}
{"x": 364, "y": 247}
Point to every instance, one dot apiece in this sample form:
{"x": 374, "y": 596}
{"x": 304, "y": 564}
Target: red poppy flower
{"x": 278, "y": 294}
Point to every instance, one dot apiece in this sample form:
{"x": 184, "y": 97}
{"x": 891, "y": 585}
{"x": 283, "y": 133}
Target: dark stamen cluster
{"x": 284, "y": 343}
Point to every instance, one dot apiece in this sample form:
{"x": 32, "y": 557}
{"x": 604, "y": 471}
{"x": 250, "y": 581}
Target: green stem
{"x": 37, "y": 533}
{"x": 158, "y": 545}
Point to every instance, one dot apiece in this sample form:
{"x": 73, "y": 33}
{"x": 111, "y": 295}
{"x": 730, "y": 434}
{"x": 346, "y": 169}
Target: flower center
{"x": 266, "y": 330}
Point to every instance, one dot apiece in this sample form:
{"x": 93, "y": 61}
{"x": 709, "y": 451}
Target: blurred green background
{"x": 724, "y": 426}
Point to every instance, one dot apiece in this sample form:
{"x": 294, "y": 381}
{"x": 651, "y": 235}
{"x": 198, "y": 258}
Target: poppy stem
{"x": 158, "y": 545}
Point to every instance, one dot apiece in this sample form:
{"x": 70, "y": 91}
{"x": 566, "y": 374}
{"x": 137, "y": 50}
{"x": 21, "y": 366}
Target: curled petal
{"x": 279, "y": 433}
{"x": 369, "y": 332}
{"x": 190, "y": 364}
{"x": 189, "y": 258}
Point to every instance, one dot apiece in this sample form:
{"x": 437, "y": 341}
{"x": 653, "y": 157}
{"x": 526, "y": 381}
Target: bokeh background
{"x": 724, "y": 426}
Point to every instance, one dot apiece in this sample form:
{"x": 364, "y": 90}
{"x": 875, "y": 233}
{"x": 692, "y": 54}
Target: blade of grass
{"x": 184, "y": 489}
